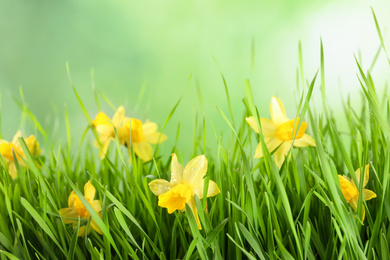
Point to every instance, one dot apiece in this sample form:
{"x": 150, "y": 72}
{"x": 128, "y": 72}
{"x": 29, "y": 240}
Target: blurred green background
{"x": 161, "y": 43}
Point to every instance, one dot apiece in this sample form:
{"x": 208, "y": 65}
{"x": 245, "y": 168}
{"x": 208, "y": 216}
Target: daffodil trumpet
{"x": 185, "y": 184}
{"x": 280, "y": 133}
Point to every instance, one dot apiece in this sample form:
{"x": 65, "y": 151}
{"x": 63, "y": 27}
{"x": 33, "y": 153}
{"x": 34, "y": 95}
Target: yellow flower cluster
{"x": 8, "y": 149}
{"x": 184, "y": 185}
{"x": 280, "y": 134}
{"x": 131, "y": 132}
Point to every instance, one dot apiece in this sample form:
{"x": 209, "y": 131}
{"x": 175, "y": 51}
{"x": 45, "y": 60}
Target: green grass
{"x": 297, "y": 212}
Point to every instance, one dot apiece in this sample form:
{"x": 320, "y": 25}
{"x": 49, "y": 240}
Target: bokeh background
{"x": 159, "y": 44}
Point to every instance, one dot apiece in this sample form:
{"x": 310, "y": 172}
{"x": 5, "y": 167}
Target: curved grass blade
{"x": 9, "y": 255}
{"x": 124, "y": 226}
{"x": 41, "y": 222}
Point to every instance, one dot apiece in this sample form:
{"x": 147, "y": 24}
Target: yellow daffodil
{"x": 351, "y": 192}
{"x": 184, "y": 185}
{"x": 7, "y": 149}
{"x": 278, "y": 132}
{"x": 105, "y": 128}
{"x": 76, "y": 208}
{"x": 142, "y": 136}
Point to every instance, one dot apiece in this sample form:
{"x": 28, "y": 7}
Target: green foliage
{"x": 262, "y": 212}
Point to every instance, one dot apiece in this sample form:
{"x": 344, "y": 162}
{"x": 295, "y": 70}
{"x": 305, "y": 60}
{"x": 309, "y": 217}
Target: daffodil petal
{"x": 155, "y": 138}
{"x": 368, "y": 194}
{"x": 281, "y": 152}
{"x": 126, "y": 123}
{"x": 271, "y": 142}
{"x": 160, "y": 186}
{"x": 104, "y": 148}
{"x": 252, "y": 122}
{"x": 32, "y": 145}
{"x": 97, "y": 205}
{"x": 101, "y": 119}
{"x": 149, "y": 128}
{"x": 258, "y": 151}
{"x": 12, "y": 170}
{"x": 89, "y": 191}
{"x": 136, "y": 131}
{"x": 82, "y": 231}
{"x": 69, "y": 215}
{"x": 306, "y": 140}
{"x": 268, "y": 127}
{"x": 278, "y": 112}
{"x": 195, "y": 170}
{"x": 105, "y": 130}
{"x": 123, "y": 134}
{"x": 353, "y": 203}
{"x": 366, "y": 175}
{"x": 118, "y": 116}
{"x": 143, "y": 150}
{"x": 176, "y": 170}
{"x": 192, "y": 205}
{"x": 6, "y": 150}
{"x": 95, "y": 227}
{"x": 15, "y": 139}
{"x": 70, "y": 199}
{"x": 212, "y": 189}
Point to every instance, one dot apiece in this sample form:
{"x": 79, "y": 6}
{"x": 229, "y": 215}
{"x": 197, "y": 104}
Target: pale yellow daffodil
{"x": 351, "y": 192}
{"x": 278, "y": 132}
{"x": 142, "y": 136}
{"x": 105, "y": 128}
{"x": 7, "y": 149}
{"x": 184, "y": 185}
{"x": 76, "y": 208}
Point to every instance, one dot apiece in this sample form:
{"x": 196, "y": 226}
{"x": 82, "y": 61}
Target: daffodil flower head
{"x": 351, "y": 192}
{"x": 184, "y": 185}
{"x": 105, "y": 128}
{"x": 280, "y": 132}
{"x": 7, "y": 149}
{"x": 77, "y": 209}
{"x": 142, "y": 135}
